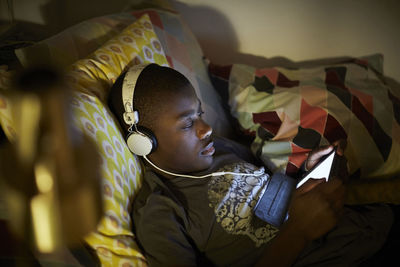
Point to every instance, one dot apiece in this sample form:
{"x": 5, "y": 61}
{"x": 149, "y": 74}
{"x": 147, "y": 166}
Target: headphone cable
{"x": 258, "y": 172}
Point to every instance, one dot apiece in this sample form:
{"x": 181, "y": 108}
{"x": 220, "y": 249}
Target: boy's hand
{"x": 315, "y": 208}
{"x": 315, "y": 156}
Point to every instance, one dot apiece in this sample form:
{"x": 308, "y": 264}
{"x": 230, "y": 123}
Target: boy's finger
{"x": 316, "y": 155}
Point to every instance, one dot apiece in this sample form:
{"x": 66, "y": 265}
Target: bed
{"x": 282, "y": 113}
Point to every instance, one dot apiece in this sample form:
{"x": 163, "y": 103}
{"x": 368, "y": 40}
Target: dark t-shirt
{"x": 182, "y": 221}
{"x": 206, "y": 222}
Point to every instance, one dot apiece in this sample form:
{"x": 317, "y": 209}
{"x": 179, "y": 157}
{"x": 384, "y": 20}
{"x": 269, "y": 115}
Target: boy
{"x": 209, "y": 221}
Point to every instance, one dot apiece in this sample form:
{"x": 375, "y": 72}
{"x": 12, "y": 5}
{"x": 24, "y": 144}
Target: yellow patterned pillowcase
{"x": 91, "y": 79}
{"x": 121, "y": 173}
{"x": 136, "y": 44}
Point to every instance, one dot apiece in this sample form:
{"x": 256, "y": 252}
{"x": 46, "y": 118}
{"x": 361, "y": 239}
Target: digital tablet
{"x": 322, "y": 169}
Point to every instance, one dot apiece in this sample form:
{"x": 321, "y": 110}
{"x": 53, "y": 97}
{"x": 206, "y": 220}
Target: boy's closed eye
{"x": 189, "y": 122}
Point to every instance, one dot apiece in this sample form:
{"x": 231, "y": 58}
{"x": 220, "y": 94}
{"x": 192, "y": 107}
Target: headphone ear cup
{"x": 141, "y": 142}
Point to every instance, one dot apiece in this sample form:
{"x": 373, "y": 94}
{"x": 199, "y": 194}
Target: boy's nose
{"x": 204, "y": 131}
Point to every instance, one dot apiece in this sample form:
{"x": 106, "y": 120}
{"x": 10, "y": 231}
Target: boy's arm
{"x": 314, "y": 211}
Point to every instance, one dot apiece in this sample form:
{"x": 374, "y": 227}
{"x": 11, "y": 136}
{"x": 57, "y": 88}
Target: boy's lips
{"x": 208, "y": 150}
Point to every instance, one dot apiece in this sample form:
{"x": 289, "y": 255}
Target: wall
{"x": 256, "y": 31}
{"x": 283, "y": 30}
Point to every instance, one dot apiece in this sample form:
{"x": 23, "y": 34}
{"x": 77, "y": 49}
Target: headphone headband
{"x": 128, "y": 89}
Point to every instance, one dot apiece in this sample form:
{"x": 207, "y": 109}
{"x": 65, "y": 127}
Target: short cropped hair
{"x": 153, "y": 84}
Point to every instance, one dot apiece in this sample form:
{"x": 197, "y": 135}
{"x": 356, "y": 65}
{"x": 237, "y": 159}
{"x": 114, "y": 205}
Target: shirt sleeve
{"x": 161, "y": 228}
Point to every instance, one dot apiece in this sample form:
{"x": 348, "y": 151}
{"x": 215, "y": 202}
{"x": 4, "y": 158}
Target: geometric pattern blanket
{"x": 289, "y": 112}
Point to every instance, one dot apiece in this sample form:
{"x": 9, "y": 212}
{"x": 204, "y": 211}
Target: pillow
{"x": 135, "y": 45}
{"x": 291, "y": 111}
{"x": 122, "y": 172}
{"x": 113, "y": 240}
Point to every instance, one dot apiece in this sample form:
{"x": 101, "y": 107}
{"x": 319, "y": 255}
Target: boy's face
{"x": 184, "y": 139}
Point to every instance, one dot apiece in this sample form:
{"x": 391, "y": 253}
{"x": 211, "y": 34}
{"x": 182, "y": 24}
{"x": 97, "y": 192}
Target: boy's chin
{"x": 203, "y": 164}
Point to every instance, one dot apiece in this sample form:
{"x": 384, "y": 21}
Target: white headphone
{"x": 141, "y": 141}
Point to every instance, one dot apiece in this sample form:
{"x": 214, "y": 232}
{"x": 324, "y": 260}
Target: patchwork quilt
{"x": 289, "y": 112}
